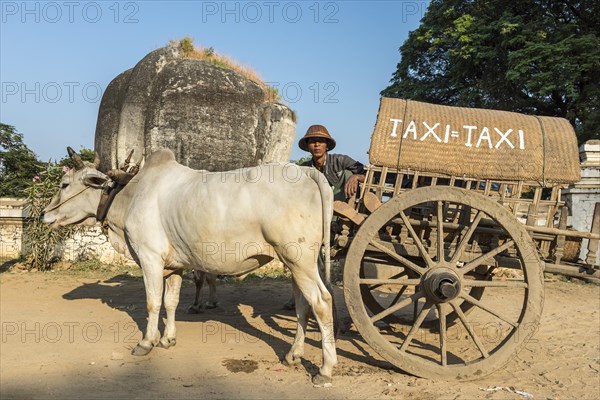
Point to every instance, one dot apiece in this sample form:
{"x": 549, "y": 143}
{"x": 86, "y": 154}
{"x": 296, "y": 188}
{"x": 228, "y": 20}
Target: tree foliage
{"x": 18, "y": 164}
{"x": 301, "y": 160}
{"x": 23, "y": 175}
{"x": 532, "y": 56}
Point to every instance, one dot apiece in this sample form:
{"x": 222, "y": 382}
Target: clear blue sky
{"x": 330, "y": 59}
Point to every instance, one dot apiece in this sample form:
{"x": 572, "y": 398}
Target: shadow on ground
{"x": 268, "y": 321}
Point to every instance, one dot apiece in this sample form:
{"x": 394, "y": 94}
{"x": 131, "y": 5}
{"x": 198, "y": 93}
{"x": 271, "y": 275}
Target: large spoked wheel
{"x": 422, "y": 261}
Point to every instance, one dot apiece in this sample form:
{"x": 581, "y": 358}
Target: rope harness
{"x": 109, "y": 191}
{"x": 110, "y": 188}
{"x": 69, "y": 198}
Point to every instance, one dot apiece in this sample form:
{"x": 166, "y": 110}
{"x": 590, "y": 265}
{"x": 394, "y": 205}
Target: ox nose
{"x": 42, "y": 214}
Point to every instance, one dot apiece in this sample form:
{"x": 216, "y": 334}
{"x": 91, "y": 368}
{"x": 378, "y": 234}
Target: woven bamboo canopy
{"x": 474, "y": 143}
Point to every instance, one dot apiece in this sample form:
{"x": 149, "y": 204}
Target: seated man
{"x": 341, "y": 171}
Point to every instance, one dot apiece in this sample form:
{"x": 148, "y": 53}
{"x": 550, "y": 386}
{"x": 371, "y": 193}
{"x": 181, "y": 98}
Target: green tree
{"x": 301, "y": 160}
{"x": 85, "y": 154}
{"x": 532, "y": 56}
{"x": 18, "y": 164}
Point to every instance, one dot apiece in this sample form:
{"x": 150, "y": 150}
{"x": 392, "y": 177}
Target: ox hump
{"x": 160, "y": 157}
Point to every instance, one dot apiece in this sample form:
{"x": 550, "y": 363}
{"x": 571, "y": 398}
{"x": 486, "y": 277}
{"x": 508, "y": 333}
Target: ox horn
{"x": 75, "y": 157}
{"x": 127, "y": 160}
{"x": 96, "y": 160}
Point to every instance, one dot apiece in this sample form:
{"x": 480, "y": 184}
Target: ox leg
{"x": 199, "y": 281}
{"x": 302, "y": 313}
{"x": 319, "y": 298}
{"x": 153, "y": 281}
{"x": 211, "y": 279}
{"x": 173, "y": 286}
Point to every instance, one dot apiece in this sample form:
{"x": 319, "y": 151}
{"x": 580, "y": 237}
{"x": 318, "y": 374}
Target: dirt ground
{"x": 69, "y": 335}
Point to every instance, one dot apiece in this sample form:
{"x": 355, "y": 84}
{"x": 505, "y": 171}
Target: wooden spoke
{"x": 440, "y": 232}
{"x": 400, "y": 292}
{"x": 465, "y": 240}
{"x": 475, "y": 338}
{"x": 479, "y": 304}
{"x": 396, "y": 307}
{"x": 417, "y": 325}
{"x": 379, "y": 282}
{"x": 375, "y": 286}
{"x": 442, "y": 312}
{"x": 510, "y": 284}
{"x": 485, "y": 257}
{"x": 416, "y": 239}
{"x": 383, "y": 260}
{"x": 398, "y": 257}
{"x": 415, "y": 310}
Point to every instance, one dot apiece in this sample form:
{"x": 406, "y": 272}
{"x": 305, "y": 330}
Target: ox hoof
{"x": 290, "y": 360}
{"x": 210, "y": 305}
{"x": 166, "y": 343}
{"x": 140, "y": 350}
{"x": 321, "y": 381}
{"x": 194, "y": 310}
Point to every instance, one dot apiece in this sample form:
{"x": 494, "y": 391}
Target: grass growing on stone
{"x": 187, "y": 49}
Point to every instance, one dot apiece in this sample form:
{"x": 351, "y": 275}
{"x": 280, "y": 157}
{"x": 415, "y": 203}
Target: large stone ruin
{"x": 212, "y": 118}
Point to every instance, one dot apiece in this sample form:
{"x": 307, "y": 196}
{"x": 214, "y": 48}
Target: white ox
{"x": 170, "y": 217}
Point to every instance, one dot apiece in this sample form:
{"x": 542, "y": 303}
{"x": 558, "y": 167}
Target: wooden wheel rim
{"x": 532, "y": 270}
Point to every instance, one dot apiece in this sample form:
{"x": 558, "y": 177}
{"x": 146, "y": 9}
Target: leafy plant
{"x": 41, "y": 244}
{"x": 272, "y": 93}
{"x": 186, "y": 46}
{"x": 209, "y": 52}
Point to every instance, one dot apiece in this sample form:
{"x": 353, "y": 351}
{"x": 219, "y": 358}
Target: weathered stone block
{"x": 211, "y": 117}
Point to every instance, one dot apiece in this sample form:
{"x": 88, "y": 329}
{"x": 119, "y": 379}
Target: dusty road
{"x": 66, "y": 336}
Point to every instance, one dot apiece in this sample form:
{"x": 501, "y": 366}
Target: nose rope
{"x": 64, "y": 201}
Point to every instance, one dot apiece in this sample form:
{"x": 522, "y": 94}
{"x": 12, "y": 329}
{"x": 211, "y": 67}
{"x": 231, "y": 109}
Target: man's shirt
{"x": 335, "y": 165}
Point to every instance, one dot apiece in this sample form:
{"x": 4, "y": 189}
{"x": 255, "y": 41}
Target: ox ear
{"x": 95, "y": 180}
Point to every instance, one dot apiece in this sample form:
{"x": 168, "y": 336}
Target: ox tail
{"x": 327, "y": 207}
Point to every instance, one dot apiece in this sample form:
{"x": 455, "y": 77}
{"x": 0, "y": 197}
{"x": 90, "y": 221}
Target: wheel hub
{"x": 442, "y": 285}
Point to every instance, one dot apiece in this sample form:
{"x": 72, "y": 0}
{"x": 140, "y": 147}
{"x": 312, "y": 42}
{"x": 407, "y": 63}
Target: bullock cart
{"x": 446, "y": 244}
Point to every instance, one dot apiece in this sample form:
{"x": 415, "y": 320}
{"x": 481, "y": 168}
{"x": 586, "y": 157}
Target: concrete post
{"x": 583, "y": 196}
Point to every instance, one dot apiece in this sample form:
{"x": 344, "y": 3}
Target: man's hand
{"x": 352, "y": 185}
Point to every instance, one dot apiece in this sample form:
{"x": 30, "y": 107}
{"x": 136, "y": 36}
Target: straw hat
{"x": 316, "y": 131}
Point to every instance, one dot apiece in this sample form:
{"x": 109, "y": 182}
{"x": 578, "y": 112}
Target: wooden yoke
{"x": 126, "y": 172}
{"x": 119, "y": 177}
